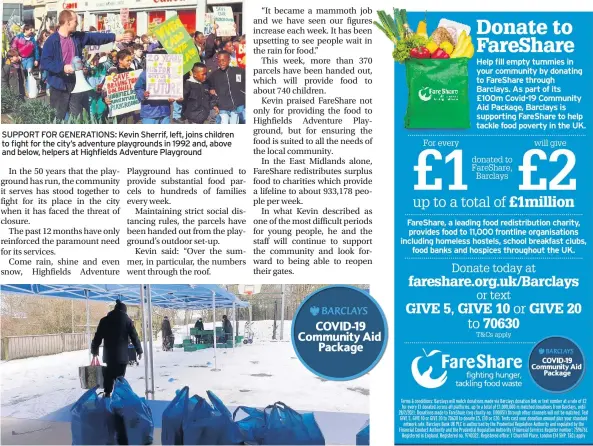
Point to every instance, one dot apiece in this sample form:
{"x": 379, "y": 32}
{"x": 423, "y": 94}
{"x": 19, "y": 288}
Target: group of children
{"x": 214, "y": 90}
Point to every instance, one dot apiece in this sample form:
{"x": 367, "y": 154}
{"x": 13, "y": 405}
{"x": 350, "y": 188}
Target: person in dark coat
{"x": 115, "y": 330}
{"x": 228, "y": 85}
{"x": 12, "y": 75}
{"x": 167, "y": 333}
{"x": 197, "y": 101}
{"x": 199, "y": 326}
{"x": 227, "y": 327}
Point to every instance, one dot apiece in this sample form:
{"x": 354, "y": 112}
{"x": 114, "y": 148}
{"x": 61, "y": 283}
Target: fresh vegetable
{"x": 420, "y": 53}
{"x": 441, "y": 35}
{"x": 421, "y": 30}
{"x": 440, "y": 54}
{"x": 404, "y": 16}
{"x": 402, "y": 50}
{"x": 447, "y": 47}
{"x": 388, "y": 26}
{"x": 399, "y": 24}
{"x": 432, "y": 47}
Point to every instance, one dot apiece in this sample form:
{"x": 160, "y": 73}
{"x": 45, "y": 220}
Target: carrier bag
{"x": 438, "y": 94}
{"x": 91, "y": 375}
{"x": 363, "y": 435}
{"x": 198, "y": 410}
{"x": 92, "y": 423}
{"x": 285, "y": 426}
{"x": 252, "y": 426}
{"x": 208, "y": 425}
{"x": 135, "y": 413}
{"x": 172, "y": 431}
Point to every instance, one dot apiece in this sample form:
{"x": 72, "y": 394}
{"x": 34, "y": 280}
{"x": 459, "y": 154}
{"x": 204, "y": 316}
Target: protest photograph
{"x": 123, "y": 62}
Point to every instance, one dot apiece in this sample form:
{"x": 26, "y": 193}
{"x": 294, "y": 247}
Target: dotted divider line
{"x": 493, "y": 258}
{"x": 497, "y": 215}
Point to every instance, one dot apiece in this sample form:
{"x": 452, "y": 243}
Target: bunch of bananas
{"x": 464, "y": 47}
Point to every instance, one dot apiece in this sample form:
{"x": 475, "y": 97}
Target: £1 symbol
{"x": 422, "y": 168}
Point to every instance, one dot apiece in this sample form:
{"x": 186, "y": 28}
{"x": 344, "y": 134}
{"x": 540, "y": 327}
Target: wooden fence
{"x": 18, "y": 347}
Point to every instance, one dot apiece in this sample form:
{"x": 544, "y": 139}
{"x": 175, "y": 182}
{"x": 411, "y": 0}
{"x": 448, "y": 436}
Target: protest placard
{"x": 94, "y": 49}
{"x": 113, "y": 24}
{"x": 208, "y": 23}
{"x": 175, "y": 39}
{"x": 164, "y": 76}
{"x": 223, "y": 17}
{"x": 124, "y": 16}
{"x": 120, "y": 90}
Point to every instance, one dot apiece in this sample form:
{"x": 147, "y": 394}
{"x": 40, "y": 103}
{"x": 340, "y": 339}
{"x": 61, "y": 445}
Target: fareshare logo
{"x": 425, "y": 94}
{"x": 442, "y": 95}
{"x": 424, "y": 379}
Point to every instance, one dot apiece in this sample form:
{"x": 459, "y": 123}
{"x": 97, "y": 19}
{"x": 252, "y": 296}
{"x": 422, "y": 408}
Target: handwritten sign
{"x": 164, "y": 76}
{"x": 175, "y": 39}
{"x": 124, "y": 16}
{"x": 208, "y": 23}
{"x": 120, "y": 90}
{"x": 113, "y": 24}
{"x": 223, "y": 16}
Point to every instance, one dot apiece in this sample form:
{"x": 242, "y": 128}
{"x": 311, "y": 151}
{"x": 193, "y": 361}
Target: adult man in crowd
{"x": 114, "y": 331}
{"x": 200, "y": 42}
{"x": 200, "y": 327}
{"x": 167, "y": 333}
{"x": 59, "y": 50}
{"x": 227, "y": 327}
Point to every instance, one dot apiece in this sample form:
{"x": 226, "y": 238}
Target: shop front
{"x": 45, "y": 14}
{"x": 142, "y": 15}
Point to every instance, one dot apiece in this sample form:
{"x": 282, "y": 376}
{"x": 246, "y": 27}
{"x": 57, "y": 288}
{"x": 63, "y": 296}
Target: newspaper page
{"x": 376, "y": 241}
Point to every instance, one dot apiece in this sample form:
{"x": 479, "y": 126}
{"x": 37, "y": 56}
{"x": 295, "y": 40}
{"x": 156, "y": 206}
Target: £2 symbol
{"x": 424, "y": 94}
{"x": 314, "y": 311}
{"x": 424, "y": 379}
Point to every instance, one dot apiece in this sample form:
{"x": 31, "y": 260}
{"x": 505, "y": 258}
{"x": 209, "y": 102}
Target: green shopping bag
{"x": 438, "y": 94}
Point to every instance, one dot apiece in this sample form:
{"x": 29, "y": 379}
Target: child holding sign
{"x": 124, "y": 62}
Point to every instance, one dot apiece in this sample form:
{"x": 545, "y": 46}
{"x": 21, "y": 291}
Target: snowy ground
{"x": 255, "y": 375}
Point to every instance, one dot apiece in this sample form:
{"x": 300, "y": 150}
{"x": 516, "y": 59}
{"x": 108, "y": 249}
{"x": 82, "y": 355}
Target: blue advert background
{"x": 484, "y": 275}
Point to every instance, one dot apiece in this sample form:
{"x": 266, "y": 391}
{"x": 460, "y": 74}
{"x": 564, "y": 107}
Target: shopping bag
{"x": 207, "y": 425}
{"x": 135, "y": 413}
{"x": 229, "y": 431}
{"x": 32, "y": 88}
{"x": 363, "y": 435}
{"x": 92, "y": 422}
{"x": 172, "y": 431}
{"x": 285, "y": 426}
{"x": 91, "y": 375}
{"x": 193, "y": 425}
{"x": 252, "y": 426}
{"x": 438, "y": 94}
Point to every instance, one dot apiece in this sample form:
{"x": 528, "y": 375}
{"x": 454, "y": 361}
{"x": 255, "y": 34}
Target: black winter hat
{"x": 119, "y": 305}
